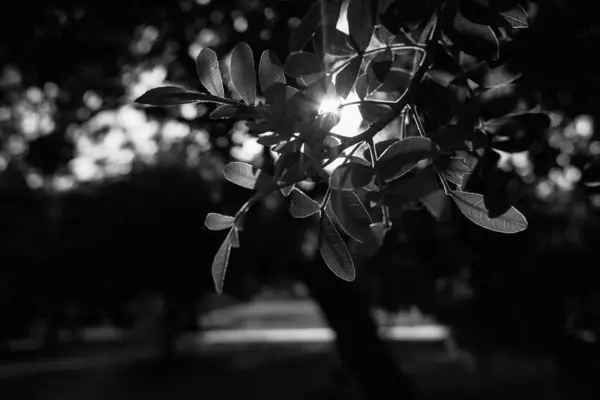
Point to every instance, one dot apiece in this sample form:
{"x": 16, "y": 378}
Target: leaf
{"x": 395, "y": 84}
{"x": 172, "y": 96}
{"x": 344, "y": 81}
{"x": 278, "y": 94}
{"x": 243, "y": 76}
{"x": 517, "y": 17}
{"x": 334, "y": 250}
{"x": 373, "y": 112}
{"x": 351, "y": 176}
{"x": 361, "y": 22}
{"x": 380, "y": 148}
{"x": 403, "y": 156}
{"x": 458, "y": 137}
{"x": 378, "y": 69}
{"x": 218, "y": 222}
{"x": 220, "y": 262}
{"x": 473, "y": 207}
{"x": 438, "y": 204}
{"x": 416, "y": 187}
{"x": 306, "y": 28}
{"x": 351, "y": 214}
{"x": 305, "y": 66}
{"x": 247, "y": 176}
{"x": 361, "y": 86}
{"x": 367, "y": 249}
{"x": 332, "y": 44}
{"x": 270, "y": 70}
{"x": 302, "y": 206}
{"x": 517, "y": 132}
{"x": 472, "y": 38}
{"x": 458, "y": 169}
{"x": 487, "y": 77}
{"x": 207, "y": 67}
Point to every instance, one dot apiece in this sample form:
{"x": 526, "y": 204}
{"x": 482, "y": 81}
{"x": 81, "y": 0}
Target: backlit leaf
{"x": 218, "y": 222}
{"x": 247, "y": 176}
{"x": 172, "y": 96}
{"x": 220, "y": 262}
{"x": 334, "y": 250}
{"x": 302, "y": 206}
{"x": 361, "y": 86}
{"x": 516, "y": 17}
{"x": 351, "y": 214}
{"x": 304, "y": 66}
{"x": 373, "y": 112}
{"x": 207, "y": 67}
{"x": 473, "y": 207}
{"x": 351, "y": 176}
{"x": 403, "y": 156}
{"x": 243, "y": 76}
{"x": 270, "y": 70}
{"x": 487, "y": 77}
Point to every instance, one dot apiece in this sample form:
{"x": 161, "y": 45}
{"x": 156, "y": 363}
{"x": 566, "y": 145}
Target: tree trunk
{"x": 358, "y": 343}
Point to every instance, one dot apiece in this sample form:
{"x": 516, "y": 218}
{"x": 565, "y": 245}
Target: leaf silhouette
{"x": 361, "y": 22}
{"x": 415, "y": 187}
{"x": 361, "y": 86}
{"x": 247, "y": 176}
{"x": 473, "y": 207}
{"x": 487, "y": 77}
{"x": 474, "y": 39}
{"x": 226, "y": 111}
{"x": 351, "y": 214}
{"x": 305, "y": 66}
{"x": 220, "y": 262}
{"x": 242, "y": 73}
{"x": 334, "y": 250}
{"x": 172, "y": 96}
{"x": 306, "y": 28}
{"x": 302, "y": 206}
{"x": 218, "y": 222}
{"x": 378, "y": 69}
{"x": 207, "y": 67}
{"x": 403, "y": 156}
{"x": 372, "y": 112}
{"x": 270, "y": 70}
{"x": 344, "y": 81}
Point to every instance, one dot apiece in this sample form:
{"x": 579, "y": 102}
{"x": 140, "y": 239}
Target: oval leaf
{"x": 302, "y": 206}
{"x": 218, "y": 222}
{"x": 304, "y": 66}
{"x": 415, "y": 187}
{"x": 270, "y": 70}
{"x": 172, "y": 96}
{"x": 378, "y": 69}
{"x": 517, "y": 17}
{"x": 487, "y": 77}
{"x": 344, "y": 81}
{"x": 361, "y": 22}
{"x": 207, "y": 67}
{"x": 351, "y": 176}
{"x": 334, "y": 251}
{"x": 242, "y": 73}
{"x": 351, "y": 214}
{"x": 473, "y": 207}
{"x": 361, "y": 86}
{"x": 220, "y": 262}
{"x": 403, "y": 156}
{"x": 247, "y": 176}
{"x": 306, "y": 28}
{"x": 474, "y": 39}
{"x": 373, "y": 112}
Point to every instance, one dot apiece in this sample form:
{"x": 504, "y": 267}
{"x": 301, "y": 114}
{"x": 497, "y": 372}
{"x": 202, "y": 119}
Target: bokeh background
{"x": 105, "y": 285}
